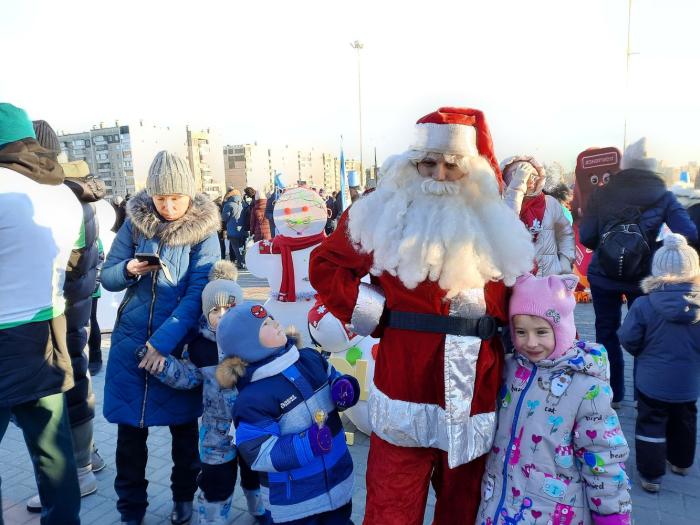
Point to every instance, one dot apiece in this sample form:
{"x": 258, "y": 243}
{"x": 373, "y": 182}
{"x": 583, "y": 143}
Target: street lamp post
{"x": 357, "y": 46}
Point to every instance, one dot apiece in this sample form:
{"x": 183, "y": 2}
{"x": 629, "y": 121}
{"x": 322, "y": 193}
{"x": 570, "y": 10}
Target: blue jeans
{"x": 46, "y": 430}
{"x": 607, "y": 305}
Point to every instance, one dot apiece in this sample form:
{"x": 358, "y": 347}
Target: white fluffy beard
{"x": 458, "y": 233}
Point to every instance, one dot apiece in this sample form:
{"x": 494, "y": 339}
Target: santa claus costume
{"x": 439, "y": 253}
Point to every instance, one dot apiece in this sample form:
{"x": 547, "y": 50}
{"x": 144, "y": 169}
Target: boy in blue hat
{"x": 286, "y": 418}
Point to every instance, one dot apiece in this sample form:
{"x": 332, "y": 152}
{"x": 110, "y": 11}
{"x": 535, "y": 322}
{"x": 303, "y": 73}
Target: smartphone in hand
{"x": 151, "y": 258}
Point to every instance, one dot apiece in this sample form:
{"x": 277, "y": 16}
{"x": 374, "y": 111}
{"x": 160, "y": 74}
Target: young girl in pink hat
{"x": 559, "y": 452}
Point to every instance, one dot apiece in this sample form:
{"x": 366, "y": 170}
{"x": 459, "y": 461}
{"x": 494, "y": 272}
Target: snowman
{"x": 350, "y": 353}
{"x": 300, "y": 218}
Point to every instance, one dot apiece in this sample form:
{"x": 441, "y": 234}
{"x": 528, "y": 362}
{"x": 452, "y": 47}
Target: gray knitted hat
{"x": 46, "y": 136}
{"x": 675, "y": 258}
{"x": 169, "y": 174}
{"x": 222, "y": 289}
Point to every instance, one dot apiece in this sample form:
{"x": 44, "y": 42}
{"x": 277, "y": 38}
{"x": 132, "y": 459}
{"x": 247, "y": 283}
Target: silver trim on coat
{"x": 464, "y": 437}
{"x": 368, "y": 309}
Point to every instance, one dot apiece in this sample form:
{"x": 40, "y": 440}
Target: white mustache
{"x": 437, "y": 187}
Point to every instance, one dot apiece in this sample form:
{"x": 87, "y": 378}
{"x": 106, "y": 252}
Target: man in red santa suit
{"x": 440, "y": 246}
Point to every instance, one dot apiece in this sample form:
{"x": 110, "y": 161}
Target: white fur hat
{"x": 635, "y": 157}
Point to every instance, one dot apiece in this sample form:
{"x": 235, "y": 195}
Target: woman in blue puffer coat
{"x": 637, "y": 188}
{"x": 162, "y": 304}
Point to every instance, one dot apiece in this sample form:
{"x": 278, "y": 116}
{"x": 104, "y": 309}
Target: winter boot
{"x": 256, "y": 508}
{"x": 681, "y": 471}
{"x": 212, "y": 512}
{"x": 97, "y": 462}
{"x": 86, "y": 480}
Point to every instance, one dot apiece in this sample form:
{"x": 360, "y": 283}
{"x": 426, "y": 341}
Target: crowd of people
{"x": 463, "y": 268}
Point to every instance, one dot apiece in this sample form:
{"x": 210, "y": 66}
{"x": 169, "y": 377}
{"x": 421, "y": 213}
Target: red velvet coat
{"x": 409, "y": 364}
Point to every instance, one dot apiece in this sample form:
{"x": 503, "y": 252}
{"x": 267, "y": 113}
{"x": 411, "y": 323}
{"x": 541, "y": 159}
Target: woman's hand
{"x": 153, "y": 362}
{"x": 135, "y": 267}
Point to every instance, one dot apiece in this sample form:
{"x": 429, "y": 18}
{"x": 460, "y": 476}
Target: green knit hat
{"x": 14, "y": 124}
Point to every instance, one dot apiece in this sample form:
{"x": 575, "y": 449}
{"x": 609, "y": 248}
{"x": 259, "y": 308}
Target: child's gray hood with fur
{"x": 201, "y": 220}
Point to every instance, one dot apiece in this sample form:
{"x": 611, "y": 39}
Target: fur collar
{"x": 200, "y": 221}
{"x": 651, "y": 284}
{"x": 232, "y": 369}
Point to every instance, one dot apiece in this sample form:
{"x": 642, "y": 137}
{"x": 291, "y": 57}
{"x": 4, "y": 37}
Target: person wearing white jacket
{"x": 544, "y": 217}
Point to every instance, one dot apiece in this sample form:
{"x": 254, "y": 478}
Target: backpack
{"x": 623, "y": 252}
{"x": 244, "y": 220}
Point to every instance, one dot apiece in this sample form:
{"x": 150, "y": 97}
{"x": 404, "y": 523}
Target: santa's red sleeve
{"x": 335, "y": 270}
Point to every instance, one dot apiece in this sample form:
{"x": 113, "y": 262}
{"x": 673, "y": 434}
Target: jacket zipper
{"x": 148, "y": 336}
{"x": 513, "y": 431}
{"x": 120, "y": 310}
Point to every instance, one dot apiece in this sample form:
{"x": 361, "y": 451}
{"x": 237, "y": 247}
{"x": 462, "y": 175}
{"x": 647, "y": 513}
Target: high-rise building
{"x": 206, "y": 165}
{"x": 255, "y": 165}
{"x": 121, "y": 155}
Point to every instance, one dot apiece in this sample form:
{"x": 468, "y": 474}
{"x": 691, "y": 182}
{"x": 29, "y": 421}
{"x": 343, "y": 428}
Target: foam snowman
{"x": 350, "y": 353}
{"x": 300, "y": 216}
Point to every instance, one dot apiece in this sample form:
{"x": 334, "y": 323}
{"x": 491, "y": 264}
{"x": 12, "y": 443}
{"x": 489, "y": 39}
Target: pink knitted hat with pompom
{"x": 552, "y": 299}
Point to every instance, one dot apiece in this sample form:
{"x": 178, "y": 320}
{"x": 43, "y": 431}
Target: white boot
{"x": 212, "y": 512}
{"x": 254, "y": 501}
{"x": 86, "y": 480}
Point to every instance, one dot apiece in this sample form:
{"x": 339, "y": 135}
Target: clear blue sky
{"x": 549, "y": 74}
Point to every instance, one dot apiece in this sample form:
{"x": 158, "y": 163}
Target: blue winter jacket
{"x": 161, "y": 308}
{"x": 230, "y": 215}
{"x": 662, "y": 330}
{"x": 274, "y": 410}
{"x": 632, "y": 190}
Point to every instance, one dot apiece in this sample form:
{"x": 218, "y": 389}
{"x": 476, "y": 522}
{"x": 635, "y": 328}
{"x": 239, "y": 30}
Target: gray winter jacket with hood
{"x": 662, "y": 330}
{"x": 559, "y": 453}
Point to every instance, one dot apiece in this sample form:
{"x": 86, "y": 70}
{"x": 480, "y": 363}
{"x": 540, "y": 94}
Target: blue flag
{"x": 343, "y": 198}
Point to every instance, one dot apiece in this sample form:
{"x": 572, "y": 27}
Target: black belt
{"x": 485, "y": 327}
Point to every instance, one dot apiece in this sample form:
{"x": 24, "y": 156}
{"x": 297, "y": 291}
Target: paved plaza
{"x": 677, "y": 504}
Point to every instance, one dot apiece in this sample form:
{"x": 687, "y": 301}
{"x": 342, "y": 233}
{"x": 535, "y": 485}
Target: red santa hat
{"x": 456, "y": 131}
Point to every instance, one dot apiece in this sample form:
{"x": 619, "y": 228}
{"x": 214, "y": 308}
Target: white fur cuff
{"x": 368, "y": 309}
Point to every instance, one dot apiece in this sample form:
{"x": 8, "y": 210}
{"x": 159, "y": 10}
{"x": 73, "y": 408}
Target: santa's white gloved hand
{"x": 565, "y": 264}
{"x": 522, "y": 171}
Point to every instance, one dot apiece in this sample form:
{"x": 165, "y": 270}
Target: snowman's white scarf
{"x": 459, "y": 234}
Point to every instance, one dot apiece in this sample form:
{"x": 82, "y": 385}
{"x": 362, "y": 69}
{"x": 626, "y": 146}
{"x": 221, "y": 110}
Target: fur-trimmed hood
{"x": 200, "y": 221}
{"x": 676, "y": 299}
{"x": 232, "y": 369}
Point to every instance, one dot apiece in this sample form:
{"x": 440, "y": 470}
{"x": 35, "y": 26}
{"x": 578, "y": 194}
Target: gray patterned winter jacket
{"x": 558, "y": 456}
{"x": 199, "y": 368}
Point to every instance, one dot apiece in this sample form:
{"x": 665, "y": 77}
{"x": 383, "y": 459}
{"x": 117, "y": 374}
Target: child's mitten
{"x": 320, "y": 439}
{"x": 344, "y": 393}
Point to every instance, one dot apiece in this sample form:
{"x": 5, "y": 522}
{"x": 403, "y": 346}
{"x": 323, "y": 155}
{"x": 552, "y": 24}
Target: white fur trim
{"x": 451, "y": 139}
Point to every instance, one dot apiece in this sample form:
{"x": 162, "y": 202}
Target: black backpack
{"x": 623, "y": 252}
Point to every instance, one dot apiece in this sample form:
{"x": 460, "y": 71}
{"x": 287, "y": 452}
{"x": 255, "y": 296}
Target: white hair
{"x": 457, "y": 233}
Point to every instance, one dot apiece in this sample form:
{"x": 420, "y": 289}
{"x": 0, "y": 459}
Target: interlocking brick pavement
{"x": 677, "y": 504}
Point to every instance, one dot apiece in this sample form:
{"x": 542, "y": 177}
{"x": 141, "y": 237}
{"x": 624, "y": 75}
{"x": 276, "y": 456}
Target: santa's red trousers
{"x": 397, "y": 486}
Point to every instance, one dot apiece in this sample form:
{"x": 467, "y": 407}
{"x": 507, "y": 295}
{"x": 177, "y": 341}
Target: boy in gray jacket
{"x": 662, "y": 331}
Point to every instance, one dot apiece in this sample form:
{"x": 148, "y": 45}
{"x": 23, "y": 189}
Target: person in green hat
{"x": 35, "y": 368}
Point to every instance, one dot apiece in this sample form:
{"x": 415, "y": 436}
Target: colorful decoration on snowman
{"x": 300, "y": 218}
{"x": 594, "y": 167}
{"x": 350, "y": 353}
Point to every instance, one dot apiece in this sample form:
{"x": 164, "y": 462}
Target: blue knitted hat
{"x": 238, "y": 333}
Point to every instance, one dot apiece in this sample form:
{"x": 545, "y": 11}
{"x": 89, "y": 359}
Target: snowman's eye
{"x": 594, "y": 179}
{"x": 606, "y": 178}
